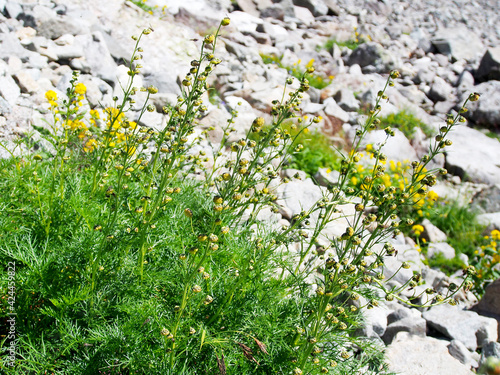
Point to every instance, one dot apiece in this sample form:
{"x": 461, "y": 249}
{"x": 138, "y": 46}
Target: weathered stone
{"x": 414, "y": 326}
{"x": 9, "y": 89}
{"x": 489, "y": 305}
{"x": 334, "y": 110}
{"x": 442, "y": 248}
{"x": 461, "y": 325}
{"x": 451, "y": 41}
{"x": 440, "y": 90}
{"x": 486, "y": 111}
{"x": 417, "y": 355}
{"x": 366, "y": 54}
{"x": 489, "y": 69}
{"x": 346, "y": 100}
{"x": 26, "y": 82}
{"x": 432, "y": 233}
{"x": 326, "y": 177}
{"x": 397, "y": 148}
{"x": 490, "y": 220}
{"x": 458, "y": 350}
{"x": 317, "y": 7}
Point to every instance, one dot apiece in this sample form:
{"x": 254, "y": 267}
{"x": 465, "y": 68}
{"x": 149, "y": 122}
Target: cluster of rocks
{"x": 444, "y": 51}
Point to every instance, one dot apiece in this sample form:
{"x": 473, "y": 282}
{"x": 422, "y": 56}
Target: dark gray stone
{"x": 458, "y": 350}
{"x": 366, "y": 54}
{"x": 412, "y": 325}
{"x": 486, "y": 111}
{"x": 317, "y": 7}
{"x": 461, "y": 325}
{"x": 489, "y": 69}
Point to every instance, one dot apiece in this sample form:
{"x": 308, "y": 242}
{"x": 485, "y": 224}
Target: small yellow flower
{"x": 80, "y": 89}
{"x": 51, "y": 96}
{"x": 495, "y": 234}
{"x": 417, "y": 229}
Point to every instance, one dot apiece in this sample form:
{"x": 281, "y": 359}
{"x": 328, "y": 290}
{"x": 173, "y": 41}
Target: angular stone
{"x": 316, "y": 7}
{"x": 440, "y": 90}
{"x": 366, "y": 54}
{"x": 397, "y": 148}
{"x": 326, "y": 177}
{"x": 486, "y": 111}
{"x": 489, "y": 304}
{"x": 334, "y": 110}
{"x": 458, "y": 350}
{"x": 465, "y": 159}
{"x": 346, "y": 100}
{"x": 432, "y": 233}
{"x": 416, "y": 355}
{"x": 451, "y": 41}
{"x": 489, "y": 68}
{"x": 9, "y": 89}
{"x": 26, "y": 82}
{"x": 442, "y": 248}
{"x": 461, "y": 325}
{"x": 490, "y": 220}
{"x": 416, "y": 327}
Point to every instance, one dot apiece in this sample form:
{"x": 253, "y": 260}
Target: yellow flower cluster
{"x": 51, "y": 97}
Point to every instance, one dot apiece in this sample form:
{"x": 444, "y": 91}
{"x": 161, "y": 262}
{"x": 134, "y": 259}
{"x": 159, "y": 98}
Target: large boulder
{"x": 489, "y": 305}
{"x": 469, "y": 327}
{"x": 452, "y": 42}
{"x": 486, "y": 111}
{"x": 415, "y": 355}
{"x": 473, "y": 155}
{"x": 489, "y": 68}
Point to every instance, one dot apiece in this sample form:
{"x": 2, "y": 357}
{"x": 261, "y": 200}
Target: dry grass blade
{"x": 221, "y": 364}
{"x": 261, "y": 346}
{"x": 247, "y": 352}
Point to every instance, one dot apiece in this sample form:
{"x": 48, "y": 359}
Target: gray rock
{"x": 489, "y": 304}
{"x": 366, "y": 54}
{"x": 433, "y": 233}
{"x": 486, "y": 111}
{"x": 300, "y": 195}
{"x": 317, "y": 7}
{"x": 13, "y": 9}
{"x": 275, "y": 12}
{"x": 325, "y": 177}
{"x": 461, "y": 325}
{"x": 334, "y": 110}
{"x": 304, "y": 15}
{"x": 97, "y": 56}
{"x": 490, "y": 220}
{"x": 376, "y": 320}
{"x": 26, "y": 82}
{"x": 489, "y": 68}
{"x": 403, "y": 313}
{"x": 451, "y": 41}
{"x": 465, "y": 82}
{"x": 458, "y": 350}
{"x": 346, "y": 100}
{"x": 487, "y": 200}
{"x": 417, "y": 355}
{"x": 491, "y": 349}
{"x": 442, "y": 248}
{"x": 465, "y": 159}
{"x": 248, "y": 6}
{"x": 10, "y": 46}
{"x": 52, "y": 25}
{"x": 440, "y": 90}
{"x": 397, "y": 148}
{"x": 5, "y": 107}
{"x": 9, "y": 89}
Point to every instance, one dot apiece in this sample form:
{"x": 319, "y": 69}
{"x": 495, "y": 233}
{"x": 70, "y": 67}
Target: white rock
{"x": 416, "y": 355}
